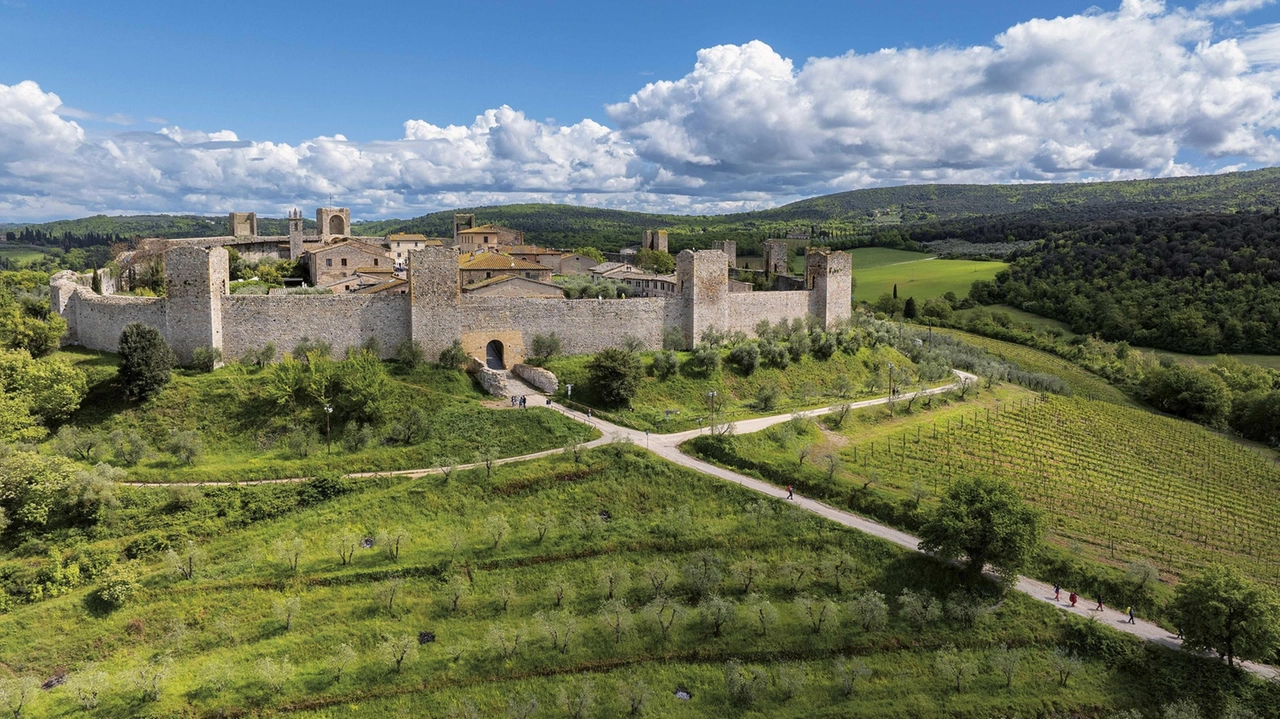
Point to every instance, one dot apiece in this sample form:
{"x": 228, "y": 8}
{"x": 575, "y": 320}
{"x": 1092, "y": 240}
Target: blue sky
{"x": 678, "y": 106}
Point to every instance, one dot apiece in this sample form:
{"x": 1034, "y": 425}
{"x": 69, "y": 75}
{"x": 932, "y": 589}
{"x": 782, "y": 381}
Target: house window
{"x": 397, "y": 255}
{"x": 344, "y": 262}
{"x": 375, "y": 262}
{"x": 347, "y": 287}
{"x": 487, "y": 275}
{"x": 328, "y": 262}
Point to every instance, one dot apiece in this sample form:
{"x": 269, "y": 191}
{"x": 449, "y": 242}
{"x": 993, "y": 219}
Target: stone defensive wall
{"x": 197, "y": 311}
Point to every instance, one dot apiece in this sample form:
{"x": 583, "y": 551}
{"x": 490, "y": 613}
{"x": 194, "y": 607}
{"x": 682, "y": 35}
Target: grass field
{"x": 1118, "y": 484}
{"x": 1083, "y": 383}
{"x": 921, "y": 278}
{"x": 868, "y": 257}
{"x": 1036, "y": 321}
{"x": 20, "y": 254}
{"x": 245, "y": 435}
{"x": 805, "y": 384}
{"x": 248, "y": 635}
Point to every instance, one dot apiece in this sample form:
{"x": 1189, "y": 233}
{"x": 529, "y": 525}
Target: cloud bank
{"x": 1140, "y": 91}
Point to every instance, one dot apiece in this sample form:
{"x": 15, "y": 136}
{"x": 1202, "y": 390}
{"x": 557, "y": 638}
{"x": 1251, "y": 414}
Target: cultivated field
{"x": 921, "y": 278}
{"x": 1118, "y": 484}
{"x": 543, "y": 583}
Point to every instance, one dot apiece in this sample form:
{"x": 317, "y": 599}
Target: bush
{"x": 206, "y": 359}
{"x": 614, "y": 375}
{"x": 706, "y": 357}
{"x": 145, "y": 362}
{"x": 119, "y": 585}
{"x": 453, "y": 356}
{"x": 673, "y": 339}
{"x": 410, "y": 353}
{"x": 745, "y": 357}
{"x": 665, "y": 364}
{"x": 186, "y": 446}
{"x": 544, "y": 347}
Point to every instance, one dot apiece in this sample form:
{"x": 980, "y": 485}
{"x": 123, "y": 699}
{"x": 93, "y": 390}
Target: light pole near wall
{"x": 328, "y": 438}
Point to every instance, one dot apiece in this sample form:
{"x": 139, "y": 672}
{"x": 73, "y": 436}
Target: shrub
{"x": 673, "y": 339}
{"x": 614, "y": 375}
{"x": 706, "y": 357}
{"x": 744, "y": 684}
{"x": 145, "y": 362}
{"x": 410, "y": 353}
{"x": 206, "y": 359}
{"x": 665, "y": 364}
{"x": 745, "y": 357}
{"x": 453, "y": 356}
{"x": 544, "y": 347}
{"x": 119, "y": 585}
{"x": 185, "y": 445}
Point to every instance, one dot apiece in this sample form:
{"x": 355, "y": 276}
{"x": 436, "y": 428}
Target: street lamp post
{"x": 328, "y": 438}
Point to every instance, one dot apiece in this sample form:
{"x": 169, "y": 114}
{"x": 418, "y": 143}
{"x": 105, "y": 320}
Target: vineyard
{"x": 1121, "y": 484}
{"x": 1083, "y": 383}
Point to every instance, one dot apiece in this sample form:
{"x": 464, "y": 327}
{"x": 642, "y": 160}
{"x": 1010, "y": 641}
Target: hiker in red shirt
{"x": 790, "y": 494}
{"x": 1073, "y": 598}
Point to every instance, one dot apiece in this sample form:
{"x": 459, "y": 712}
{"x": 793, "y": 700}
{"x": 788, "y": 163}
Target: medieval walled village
{"x": 483, "y": 286}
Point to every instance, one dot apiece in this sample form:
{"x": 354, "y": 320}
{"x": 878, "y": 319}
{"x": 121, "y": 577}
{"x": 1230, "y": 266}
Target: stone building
{"x": 730, "y": 249}
{"x": 575, "y": 264}
{"x": 775, "y": 257}
{"x": 333, "y": 222}
{"x": 479, "y": 266}
{"x": 488, "y": 237}
{"x": 399, "y": 244}
{"x": 512, "y": 286}
{"x": 330, "y": 263}
{"x": 429, "y": 306}
{"x": 654, "y": 240}
{"x": 243, "y": 224}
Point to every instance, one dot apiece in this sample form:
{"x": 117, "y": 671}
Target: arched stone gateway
{"x": 493, "y": 355}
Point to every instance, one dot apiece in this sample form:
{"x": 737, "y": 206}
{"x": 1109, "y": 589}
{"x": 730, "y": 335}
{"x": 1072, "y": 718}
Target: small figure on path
{"x": 1099, "y": 607}
{"x": 1073, "y": 599}
{"x": 588, "y": 413}
{"x": 1130, "y": 613}
{"x": 790, "y": 493}
{"x": 1057, "y": 593}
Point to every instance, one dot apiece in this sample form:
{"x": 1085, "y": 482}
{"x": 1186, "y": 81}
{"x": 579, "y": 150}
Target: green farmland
{"x": 877, "y": 270}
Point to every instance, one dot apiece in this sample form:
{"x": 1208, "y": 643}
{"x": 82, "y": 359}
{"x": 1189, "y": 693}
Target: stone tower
{"x": 702, "y": 280}
{"x": 462, "y": 222}
{"x": 333, "y": 222}
{"x": 295, "y": 233}
{"x": 654, "y": 240}
{"x": 730, "y": 249}
{"x": 243, "y": 224}
{"x": 828, "y": 276}
{"x": 434, "y": 318}
{"x": 775, "y": 257}
{"x": 195, "y": 281}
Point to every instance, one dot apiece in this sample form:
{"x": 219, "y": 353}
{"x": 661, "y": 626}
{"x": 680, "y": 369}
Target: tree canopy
{"x": 614, "y": 375}
{"x": 985, "y": 521}
{"x": 1223, "y": 611}
{"x": 146, "y": 361}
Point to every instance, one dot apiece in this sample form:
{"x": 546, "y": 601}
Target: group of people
{"x": 518, "y": 401}
{"x": 1073, "y": 598}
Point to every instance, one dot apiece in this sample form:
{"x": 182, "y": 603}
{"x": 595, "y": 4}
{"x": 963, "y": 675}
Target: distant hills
{"x": 842, "y": 215}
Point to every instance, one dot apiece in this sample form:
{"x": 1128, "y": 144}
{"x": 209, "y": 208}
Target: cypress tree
{"x": 97, "y": 281}
{"x": 895, "y": 290}
{"x": 909, "y": 309}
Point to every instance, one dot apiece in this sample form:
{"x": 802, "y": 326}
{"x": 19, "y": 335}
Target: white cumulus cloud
{"x": 1141, "y": 90}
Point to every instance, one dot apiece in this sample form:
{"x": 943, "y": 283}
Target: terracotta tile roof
{"x": 381, "y": 287}
{"x": 496, "y": 261}
{"x": 361, "y": 246}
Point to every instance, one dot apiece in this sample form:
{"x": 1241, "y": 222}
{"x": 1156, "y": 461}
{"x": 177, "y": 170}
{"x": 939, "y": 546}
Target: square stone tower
{"x": 195, "y": 281}
{"x": 730, "y": 249}
{"x": 775, "y": 257}
{"x": 828, "y": 276}
{"x": 243, "y": 224}
{"x": 333, "y": 222}
{"x": 295, "y": 233}
{"x": 654, "y": 240}
{"x": 434, "y": 295}
{"x": 702, "y": 281}
{"x": 462, "y": 222}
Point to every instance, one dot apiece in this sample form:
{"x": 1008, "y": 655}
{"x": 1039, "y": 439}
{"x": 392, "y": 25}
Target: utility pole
{"x": 328, "y": 438}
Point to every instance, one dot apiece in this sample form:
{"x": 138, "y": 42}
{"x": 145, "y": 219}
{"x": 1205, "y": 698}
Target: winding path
{"x": 667, "y": 446}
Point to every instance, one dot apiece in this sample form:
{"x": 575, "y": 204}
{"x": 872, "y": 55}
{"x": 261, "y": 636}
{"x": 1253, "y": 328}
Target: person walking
{"x": 1073, "y": 598}
{"x": 790, "y": 493}
{"x": 1130, "y": 613}
{"x": 1057, "y": 593}
{"x": 1099, "y": 607}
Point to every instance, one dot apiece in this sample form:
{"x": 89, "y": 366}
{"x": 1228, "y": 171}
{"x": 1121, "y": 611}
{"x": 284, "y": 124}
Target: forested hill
{"x": 1203, "y": 284}
{"x": 849, "y": 215}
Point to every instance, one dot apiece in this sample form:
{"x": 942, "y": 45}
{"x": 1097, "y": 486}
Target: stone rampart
{"x": 746, "y": 309}
{"x": 197, "y": 310}
{"x": 251, "y": 321}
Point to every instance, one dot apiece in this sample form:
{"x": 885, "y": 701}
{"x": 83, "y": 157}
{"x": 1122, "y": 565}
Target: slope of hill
{"x": 840, "y": 214}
